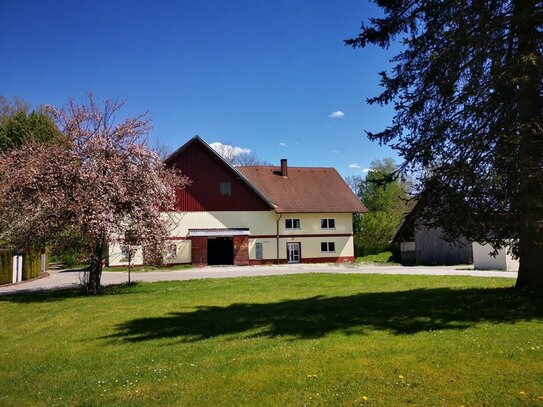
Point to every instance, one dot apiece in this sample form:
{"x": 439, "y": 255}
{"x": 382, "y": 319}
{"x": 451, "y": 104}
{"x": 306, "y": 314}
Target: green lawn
{"x": 314, "y": 340}
{"x": 143, "y": 269}
{"x": 383, "y": 257}
{"x": 137, "y": 269}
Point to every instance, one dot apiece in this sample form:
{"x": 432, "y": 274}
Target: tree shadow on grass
{"x": 38, "y": 295}
{"x": 402, "y": 312}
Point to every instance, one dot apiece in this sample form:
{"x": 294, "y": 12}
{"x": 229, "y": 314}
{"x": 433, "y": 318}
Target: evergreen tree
{"x": 467, "y": 89}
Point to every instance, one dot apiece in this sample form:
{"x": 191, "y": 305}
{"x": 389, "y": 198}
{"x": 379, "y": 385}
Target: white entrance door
{"x": 293, "y": 252}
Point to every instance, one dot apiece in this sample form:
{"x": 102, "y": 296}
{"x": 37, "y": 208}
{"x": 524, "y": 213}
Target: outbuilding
{"x": 424, "y": 245}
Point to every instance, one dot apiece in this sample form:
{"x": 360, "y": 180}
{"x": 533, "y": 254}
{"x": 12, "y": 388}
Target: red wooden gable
{"x": 207, "y": 170}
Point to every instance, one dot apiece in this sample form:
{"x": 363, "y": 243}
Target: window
{"x": 258, "y": 248}
{"x": 328, "y": 223}
{"x": 226, "y": 189}
{"x": 127, "y": 252}
{"x": 328, "y": 247}
{"x": 292, "y": 223}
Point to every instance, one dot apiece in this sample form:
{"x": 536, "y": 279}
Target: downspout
{"x": 277, "y": 235}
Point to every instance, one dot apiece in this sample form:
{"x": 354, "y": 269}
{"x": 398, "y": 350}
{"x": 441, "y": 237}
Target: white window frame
{"x": 328, "y": 244}
{"x": 292, "y": 221}
{"x": 327, "y": 222}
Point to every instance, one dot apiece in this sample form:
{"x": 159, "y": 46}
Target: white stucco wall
{"x": 263, "y": 229}
{"x": 116, "y": 258}
{"x": 482, "y": 260}
{"x": 310, "y": 247}
{"x": 310, "y": 223}
{"x": 260, "y": 222}
{"x": 183, "y": 252}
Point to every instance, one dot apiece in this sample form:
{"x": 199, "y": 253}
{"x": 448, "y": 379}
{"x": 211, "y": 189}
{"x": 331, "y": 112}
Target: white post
{"x": 17, "y": 268}
{"x": 20, "y": 270}
{"x": 43, "y": 263}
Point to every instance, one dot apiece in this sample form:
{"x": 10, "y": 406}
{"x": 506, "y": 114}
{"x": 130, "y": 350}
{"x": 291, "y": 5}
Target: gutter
{"x": 277, "y": 235}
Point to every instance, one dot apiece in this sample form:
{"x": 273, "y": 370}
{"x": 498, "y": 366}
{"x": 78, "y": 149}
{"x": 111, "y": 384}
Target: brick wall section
{"x": 241, "y": 250}
{"x": 199, "y": 251}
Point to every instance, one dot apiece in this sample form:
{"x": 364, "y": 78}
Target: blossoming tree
{"x": 103, "y": 182}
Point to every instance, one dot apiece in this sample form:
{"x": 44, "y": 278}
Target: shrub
{"x": 31, "y": 264}
{"x": 6, "y": 266}
{"x": 68, "y": 249}
{"x": 376, "y": 230}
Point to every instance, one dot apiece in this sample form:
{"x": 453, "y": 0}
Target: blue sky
{"x": 261, "y": 75}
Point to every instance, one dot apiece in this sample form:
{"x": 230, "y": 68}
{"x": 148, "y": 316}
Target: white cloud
{"x": 335, "y": 151}
{"x": 338, "y": 114}
{"x": 354, "y": 165}
{"x": 228, "y": 151}
{"x": 366, "y": 170}
{"x": 283, "y": 144}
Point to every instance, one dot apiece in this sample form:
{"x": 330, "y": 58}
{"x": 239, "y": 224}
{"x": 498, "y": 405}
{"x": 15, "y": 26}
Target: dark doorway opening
{"x": 220, "y": 250}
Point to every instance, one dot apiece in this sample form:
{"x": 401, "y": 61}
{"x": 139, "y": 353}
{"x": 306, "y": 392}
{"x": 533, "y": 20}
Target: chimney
{"x": 284, "y": 168}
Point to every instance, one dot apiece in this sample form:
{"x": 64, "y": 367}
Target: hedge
{"x": 6, "y": 266}
{"x": 31, "y": 264}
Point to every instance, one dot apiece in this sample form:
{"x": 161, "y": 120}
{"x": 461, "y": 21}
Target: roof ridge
{"x": 278, "y": 166}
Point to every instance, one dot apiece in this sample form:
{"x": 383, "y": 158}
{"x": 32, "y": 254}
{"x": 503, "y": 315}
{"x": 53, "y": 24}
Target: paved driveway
{"x": 62, "y": 279}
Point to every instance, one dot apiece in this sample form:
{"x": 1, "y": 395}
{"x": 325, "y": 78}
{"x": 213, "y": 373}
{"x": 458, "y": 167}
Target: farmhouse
{"x": 255, "y": 215}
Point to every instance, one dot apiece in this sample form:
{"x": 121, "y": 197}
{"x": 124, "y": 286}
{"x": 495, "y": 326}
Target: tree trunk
{"x": 530, "y": 274}
{"x": 93, "y": 286}
{"x": 530, "y": 197}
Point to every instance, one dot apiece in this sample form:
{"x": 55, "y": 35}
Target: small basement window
{"x": 328, "y": 247}
{"x": 328, "y": 223}
{"x": 292, "y": 223}
{"x": 226, "y": 188}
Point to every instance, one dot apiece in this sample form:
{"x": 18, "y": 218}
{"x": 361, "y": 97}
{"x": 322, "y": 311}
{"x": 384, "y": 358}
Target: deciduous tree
{"x": 18, "y": 126}
{"x": 103, "y": 183}
{"x": 467, "y": 87}
{"x": 386, "y": 198}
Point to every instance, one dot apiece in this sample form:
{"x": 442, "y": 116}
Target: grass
{"x": 136, "y": 269}
{"x": 314, "y": 340}
{"x": 143, "y": 269}
{"x": 384, "y": 257}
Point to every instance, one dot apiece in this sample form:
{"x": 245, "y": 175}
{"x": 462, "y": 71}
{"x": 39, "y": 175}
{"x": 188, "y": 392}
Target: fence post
{"x": 17, "y": 268}
{"x": 43, "y": 265}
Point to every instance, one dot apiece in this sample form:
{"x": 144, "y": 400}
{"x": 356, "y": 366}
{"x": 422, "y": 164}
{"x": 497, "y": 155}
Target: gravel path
{"x": 67, "y": 278}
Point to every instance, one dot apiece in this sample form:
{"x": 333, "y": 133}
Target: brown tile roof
{"x": 307, "y": 189}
